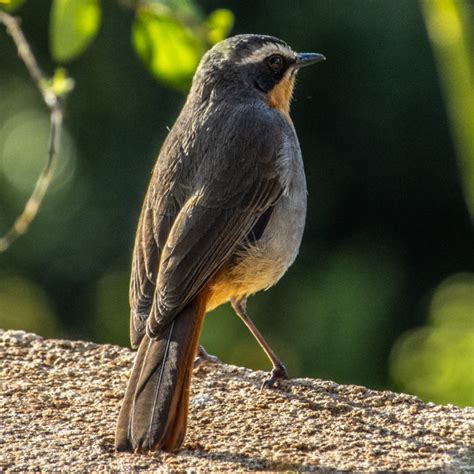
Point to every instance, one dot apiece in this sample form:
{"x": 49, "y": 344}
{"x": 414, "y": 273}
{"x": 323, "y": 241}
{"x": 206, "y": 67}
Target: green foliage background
{"x": 382, "y": 292}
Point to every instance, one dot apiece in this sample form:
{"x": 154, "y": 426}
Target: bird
{"x": 222, "y": 219}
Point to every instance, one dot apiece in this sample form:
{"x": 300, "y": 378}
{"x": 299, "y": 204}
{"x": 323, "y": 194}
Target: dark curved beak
{"x": 306, "y": 59}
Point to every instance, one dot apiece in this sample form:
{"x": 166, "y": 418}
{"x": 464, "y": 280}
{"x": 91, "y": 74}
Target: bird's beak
{"x": 306, "y": 59}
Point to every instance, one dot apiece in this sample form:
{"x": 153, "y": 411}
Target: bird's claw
{"x": 203, "y": 356}
{"x": 278, "y": 373}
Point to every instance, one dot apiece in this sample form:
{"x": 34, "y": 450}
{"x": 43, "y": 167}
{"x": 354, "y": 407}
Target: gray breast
{"x": 282, "y": 236}
{"x": 264, "y": 262}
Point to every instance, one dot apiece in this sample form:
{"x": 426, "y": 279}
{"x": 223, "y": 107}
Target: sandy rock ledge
{"x": 59, "y": 401}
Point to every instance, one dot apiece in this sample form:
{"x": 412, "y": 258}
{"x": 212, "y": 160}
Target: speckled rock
{"x": 59, "y": 402}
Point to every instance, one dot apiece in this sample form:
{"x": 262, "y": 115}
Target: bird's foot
{"x": 278, "y": 373}
{"x": 204, "y": 357}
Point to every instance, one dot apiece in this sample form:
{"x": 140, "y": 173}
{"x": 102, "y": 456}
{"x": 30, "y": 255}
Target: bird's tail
{"x": 155, "y": 407}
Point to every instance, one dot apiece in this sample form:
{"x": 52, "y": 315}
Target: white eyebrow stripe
{"x": 261, "y": 53}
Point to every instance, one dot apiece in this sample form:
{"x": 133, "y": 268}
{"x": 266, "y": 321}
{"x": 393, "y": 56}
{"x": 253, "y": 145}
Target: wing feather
{"x": 181, "y": 243}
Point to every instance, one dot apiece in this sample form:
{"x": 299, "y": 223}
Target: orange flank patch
{"x": 222, "y": 290}
{"x": 280, "y": 96}
{"x": 252, "y": 272}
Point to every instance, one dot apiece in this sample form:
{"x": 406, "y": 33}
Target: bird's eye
{"x": 275, "y": 63}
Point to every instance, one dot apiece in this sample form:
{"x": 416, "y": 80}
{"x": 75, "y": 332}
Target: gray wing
{"x": 160, "y": 208}
{"x": 235, "y": 184}
{"x": 146, "y": 256}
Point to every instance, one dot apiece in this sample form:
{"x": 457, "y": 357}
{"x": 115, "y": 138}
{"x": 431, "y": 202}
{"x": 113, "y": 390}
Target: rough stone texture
{"x": 60, "y": 399}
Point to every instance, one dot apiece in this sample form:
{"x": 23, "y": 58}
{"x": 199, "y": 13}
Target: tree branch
{"x": 53, "y": 101}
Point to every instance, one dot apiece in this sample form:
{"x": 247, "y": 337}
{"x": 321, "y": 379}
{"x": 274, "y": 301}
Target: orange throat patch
{"x": 280, "y": 96}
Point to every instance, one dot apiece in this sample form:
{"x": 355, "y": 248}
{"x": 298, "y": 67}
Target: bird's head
{"x": 253, "y": 66}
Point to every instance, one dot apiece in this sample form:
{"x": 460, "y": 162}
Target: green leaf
{"x": 180, "y": 8}
{"x": 169, "y": 49}
{"x": 10, "y": 5}
{"x": 60, "y": 84}
{"x": 219, "y": 24}
{"x": 73, "y": 26}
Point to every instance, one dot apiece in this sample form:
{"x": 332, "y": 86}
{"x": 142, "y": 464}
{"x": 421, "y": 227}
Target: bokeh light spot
{"x": 24, "y": 147}
{"x": 24, "y": 305}
{"x": 436, "y": 362}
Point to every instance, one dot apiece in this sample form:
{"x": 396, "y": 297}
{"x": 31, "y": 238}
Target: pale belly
{"x": 259, "y": 266}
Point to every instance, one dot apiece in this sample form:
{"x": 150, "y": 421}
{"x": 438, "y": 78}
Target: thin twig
{"x": 53, "y": 102}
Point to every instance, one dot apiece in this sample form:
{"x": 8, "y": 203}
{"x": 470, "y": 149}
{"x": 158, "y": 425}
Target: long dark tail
{"x": 155, "y": 407}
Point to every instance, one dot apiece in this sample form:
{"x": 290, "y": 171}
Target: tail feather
{"x": 154, "y": 409}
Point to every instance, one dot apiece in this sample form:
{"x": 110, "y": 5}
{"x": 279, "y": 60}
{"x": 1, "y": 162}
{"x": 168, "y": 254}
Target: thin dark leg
{"x": 279, "y": 370}
{"x": 204, "y": 356}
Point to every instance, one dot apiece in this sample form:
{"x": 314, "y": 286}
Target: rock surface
{"x": 59, "y": 401}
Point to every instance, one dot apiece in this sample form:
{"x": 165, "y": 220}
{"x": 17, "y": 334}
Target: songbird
{"x": 222, "y": 219}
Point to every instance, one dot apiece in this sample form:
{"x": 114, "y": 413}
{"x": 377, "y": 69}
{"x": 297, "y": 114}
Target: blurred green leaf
{"x": 169, "y": 49}
{"x": 73, "y": 26}
{"x": 219, "y": 24}
{"x": 179, "y": 8}
{"x": 448, "y": 23}
{"x": 60, "y": 84}
{"x": 436, "y": 361}
{"x": 10, "y": 5}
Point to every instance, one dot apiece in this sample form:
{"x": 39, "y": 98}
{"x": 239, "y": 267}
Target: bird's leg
{"x": 203, "y": 356}
{"x": 279, "y": 370}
